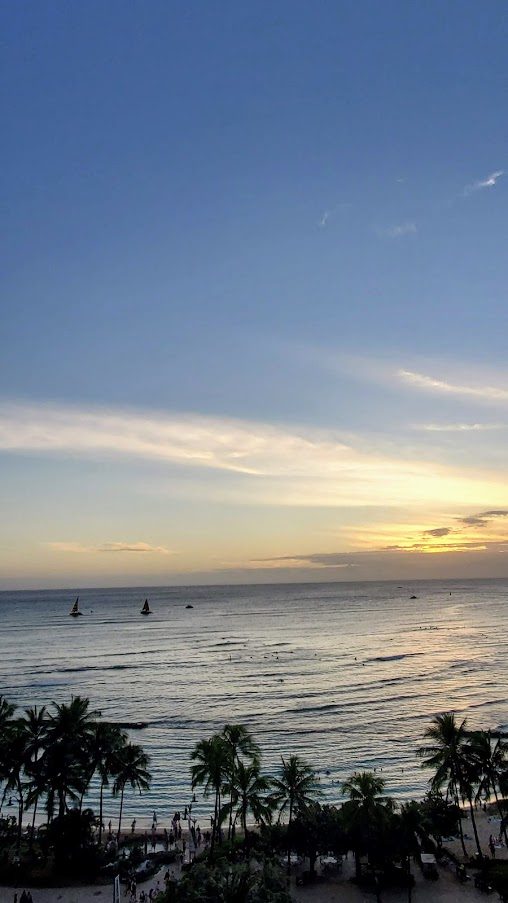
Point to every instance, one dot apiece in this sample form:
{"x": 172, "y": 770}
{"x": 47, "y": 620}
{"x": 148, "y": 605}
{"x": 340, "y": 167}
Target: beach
{"x": 332, "y": 889}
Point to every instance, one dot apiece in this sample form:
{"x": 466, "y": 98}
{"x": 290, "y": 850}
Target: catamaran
{"x": 146, "y": 608}
{"x": 75, "y": 612}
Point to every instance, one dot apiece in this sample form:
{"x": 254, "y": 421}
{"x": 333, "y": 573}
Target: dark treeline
{"x": 48, "y": 758}
{"x": 468, "y": 768}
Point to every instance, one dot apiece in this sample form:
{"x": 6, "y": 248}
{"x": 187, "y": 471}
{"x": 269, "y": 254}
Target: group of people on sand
{"x": 144, "y": 897}
{"x": 26, "y": 897}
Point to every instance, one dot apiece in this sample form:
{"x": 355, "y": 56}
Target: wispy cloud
{"x": 76, "y": 547}
{"x": 398, "y": 231}
{"x": 430, "y": 383}
{"x": 459, "y": 539}
{"x": 459, "y": 427}
{"x": 485, "y": 518}
{"x": 261, "y": 463}
{"x": 489, "y": 182}
{"x": 332, "y": 211}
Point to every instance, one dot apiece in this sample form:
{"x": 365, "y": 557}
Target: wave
{"x": 83, "y": 668}
{"x": 394, "y": 658}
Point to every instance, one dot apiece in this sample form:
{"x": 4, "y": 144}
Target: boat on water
{"x": 75, "y": 612}
{"x": 146, "y": 608}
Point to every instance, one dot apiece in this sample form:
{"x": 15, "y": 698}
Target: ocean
{"x": 346, "y": 675}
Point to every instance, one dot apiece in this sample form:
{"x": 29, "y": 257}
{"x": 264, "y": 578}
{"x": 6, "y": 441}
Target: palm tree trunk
{"x": 214, "y": 828}
{"x": 500, "y": 810}
{"x": 20, "y": 817}
{"x": 30, "y": 845}
{"x": 461, "y": 832}
{"x": 230, "y": 826}
{"x": 100, "y": 811}
{"x": 120, "y": 816}
{"x": 61, "y": 804}
{"x": 244, "y": 826}
{"x": 475, "y": 829}
{"x": 289, "y": 843}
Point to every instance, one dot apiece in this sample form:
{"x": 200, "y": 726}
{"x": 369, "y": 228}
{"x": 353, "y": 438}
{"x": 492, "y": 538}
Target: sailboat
{"x": 146, "y": 608}
{"x": 75, "y": 612}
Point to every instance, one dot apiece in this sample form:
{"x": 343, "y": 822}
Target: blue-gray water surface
{"x": 346, "y": 675}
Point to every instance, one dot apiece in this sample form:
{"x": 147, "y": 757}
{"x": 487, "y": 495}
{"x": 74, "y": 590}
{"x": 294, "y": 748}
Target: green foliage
{"x": 439, "y": 815}
{"x": 51, "y": 756}
{"x": 368, "y": 817}
{"x": 226, "y": 883}
{"x": 317, "y": 830}
{"x": 72, "y": 837}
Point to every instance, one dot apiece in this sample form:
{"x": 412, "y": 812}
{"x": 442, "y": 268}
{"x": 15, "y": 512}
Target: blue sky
{"x": 267, "y": 233}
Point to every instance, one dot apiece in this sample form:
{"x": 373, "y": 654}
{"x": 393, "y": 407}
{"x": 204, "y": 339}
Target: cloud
{"x": 484, "y": 518}
{"x": 430, "y": 383}
{"x": 261, "y": 464}
{"x": 338, "y": 560}
{"x": 324, "y": 219}
{"x": 76, "y": 547}
{"x": 398, "y": 231}
{"x": 410, "y": 543}
{"x": 132, "y": 547}
{"x": 459, "y": 427}
{"x": 489, "y": 182}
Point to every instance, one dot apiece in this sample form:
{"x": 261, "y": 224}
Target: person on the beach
{"x": 133, "y": 825}
{"x": 155, "y": 818}
{"x": 492, "y": 847}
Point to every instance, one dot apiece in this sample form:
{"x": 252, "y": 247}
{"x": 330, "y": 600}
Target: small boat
{"x": 189, "y": 606}
{"x": 146, "y": 608}
{"x": 413, "y": 597}
{"x": 75, "y": 612}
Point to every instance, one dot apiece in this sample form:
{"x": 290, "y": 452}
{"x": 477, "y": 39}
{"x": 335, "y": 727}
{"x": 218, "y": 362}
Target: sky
{"x": 253, "y": 293}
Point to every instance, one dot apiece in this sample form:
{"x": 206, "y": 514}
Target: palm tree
{"x": 132, "y": 765}
{"x": 7, "y": 725}
{"x": 296, "y": 787}
{"x": 35, "y": 725}
{"x": 249, "y": 790}
{"x": 240, "y": 743}
{"x": 212, "y": 758}
{"x": 366, "y": 810}
{"x": 106, "y": 744}
{"x": 412, "y": 825}
{"x": 491, "y": 760}
{"x": 70, "y": 728}
{"x": 447, "y": 754}
{"x": 13, "y": 769}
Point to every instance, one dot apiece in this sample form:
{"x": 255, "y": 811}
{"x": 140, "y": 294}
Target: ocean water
{"x": 346, "y": 675}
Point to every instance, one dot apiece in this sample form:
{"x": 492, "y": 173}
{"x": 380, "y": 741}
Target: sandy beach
{"x": 332, "y": 889}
